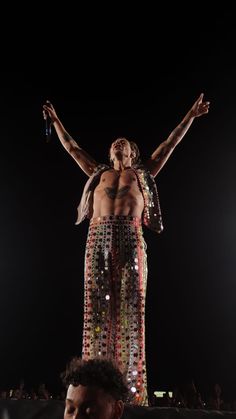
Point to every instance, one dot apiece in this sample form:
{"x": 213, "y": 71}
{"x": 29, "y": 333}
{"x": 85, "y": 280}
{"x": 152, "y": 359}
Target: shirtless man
{"x": 118, "y": 192}
{"x": 117, "y": 199}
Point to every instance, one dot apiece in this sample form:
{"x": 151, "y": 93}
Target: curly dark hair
{"x": 135, "y": 148}
{"x": 98, "y": 372}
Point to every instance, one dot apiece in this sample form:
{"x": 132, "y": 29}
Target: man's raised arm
{"x": 82, "y": 158}
{"x": 163, "y": 152}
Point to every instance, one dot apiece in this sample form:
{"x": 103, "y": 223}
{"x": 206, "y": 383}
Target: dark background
{"x": 133, "y": 77}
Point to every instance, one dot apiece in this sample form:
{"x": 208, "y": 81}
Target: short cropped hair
{"x": 98, "y": 372}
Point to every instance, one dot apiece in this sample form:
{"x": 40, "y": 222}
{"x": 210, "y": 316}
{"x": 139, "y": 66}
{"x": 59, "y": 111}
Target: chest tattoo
{"x": 113, "y": 193}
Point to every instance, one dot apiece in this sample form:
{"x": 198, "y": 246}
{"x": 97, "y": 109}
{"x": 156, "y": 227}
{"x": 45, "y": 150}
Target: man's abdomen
{"x": 130, "y": 204}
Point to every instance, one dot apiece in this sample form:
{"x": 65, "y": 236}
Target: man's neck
{"x": 120, "y": 165}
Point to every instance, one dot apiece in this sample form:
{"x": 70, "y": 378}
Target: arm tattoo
{"x": 67, "y": 137}
{"x": 112, "y": 193}
{"x": 178, "y": 131}
{"x": 168, "y": 146}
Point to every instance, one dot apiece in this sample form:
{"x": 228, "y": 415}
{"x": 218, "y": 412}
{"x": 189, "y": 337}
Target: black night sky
{"x": 140, "y": 88}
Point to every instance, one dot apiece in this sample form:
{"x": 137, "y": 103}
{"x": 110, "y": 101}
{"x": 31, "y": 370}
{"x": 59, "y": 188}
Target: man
{"x": 96, "y": 389}
{"x": 117, "y": 199}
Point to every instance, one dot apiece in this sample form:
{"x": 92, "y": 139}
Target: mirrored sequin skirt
{"x": 114, "y": 298}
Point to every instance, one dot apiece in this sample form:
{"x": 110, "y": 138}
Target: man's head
{"x": 96, "y": 389}
{"x": 124, "y": 150}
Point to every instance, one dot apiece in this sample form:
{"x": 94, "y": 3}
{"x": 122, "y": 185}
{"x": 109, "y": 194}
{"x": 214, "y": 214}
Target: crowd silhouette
{"x": 186, "y": 395}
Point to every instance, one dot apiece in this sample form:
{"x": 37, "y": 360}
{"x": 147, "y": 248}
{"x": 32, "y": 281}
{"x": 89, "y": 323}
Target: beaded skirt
{"x": 114, "y": 298}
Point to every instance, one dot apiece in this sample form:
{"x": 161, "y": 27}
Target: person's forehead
{"x": 123, "y": 140}
{"x": 83, "y": 393}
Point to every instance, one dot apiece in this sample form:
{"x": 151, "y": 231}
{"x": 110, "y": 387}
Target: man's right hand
{"x": 48, "y": 110}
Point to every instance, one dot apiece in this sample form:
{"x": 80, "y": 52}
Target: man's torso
{"x": 118, "y": 193}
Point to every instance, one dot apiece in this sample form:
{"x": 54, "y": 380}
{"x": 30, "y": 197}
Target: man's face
{"x": 120, "y": 149}
{"x": 91, "y": 402}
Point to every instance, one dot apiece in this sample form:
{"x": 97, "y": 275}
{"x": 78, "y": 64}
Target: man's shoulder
{"x": 101, "y": 168}
{"x": 141, "y": 167}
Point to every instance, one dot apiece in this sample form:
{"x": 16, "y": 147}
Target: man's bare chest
{"x": 117, "y": 179}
